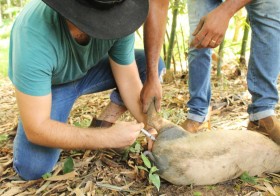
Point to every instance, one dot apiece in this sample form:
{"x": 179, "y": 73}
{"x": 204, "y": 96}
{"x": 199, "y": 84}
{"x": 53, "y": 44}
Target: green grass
{"x": 4, "y": 56}
{"x": 5, "y": 29}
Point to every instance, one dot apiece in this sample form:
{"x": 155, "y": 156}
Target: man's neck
{"x": 80, "y": 37}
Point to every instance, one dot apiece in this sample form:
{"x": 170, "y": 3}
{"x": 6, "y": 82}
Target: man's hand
{"x": 154, "y": 31}
{"x": 211, "y": 29}
{"x": 151, "y": 91}
{"x": 42, "y": 130}
{"x": 122, "y": 134}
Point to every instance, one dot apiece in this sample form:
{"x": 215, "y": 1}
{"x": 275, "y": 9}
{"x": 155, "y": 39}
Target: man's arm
{"x": 41, "y": 130}
{"x": 212, "y": 27}
{"x": 129, "y": 86}
{"x": 154, "y": 31}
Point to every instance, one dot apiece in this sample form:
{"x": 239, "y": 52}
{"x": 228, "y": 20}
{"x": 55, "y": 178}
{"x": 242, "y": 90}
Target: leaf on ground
{"x": 146, "y": 161}
{"x": 109, "y": 162}
{"x": 197, "y": 194}
{"x": 153, "y": 169}
{"x": 46, "y": 175}
{"x": 245, "y": 177}
{"x": 4, "y": 137}
{"x": 12, "y": 191}
{"x": 68, "y": 176}
{"x": 261, "y": 188}
{"x": 115, "y": 188}
{"x": 42, "y": 188}
{"x": 155, "y": 180}
{"x": 143, "y": 168}
{"x": 68, "y": 165}
{"x": 78, "y": 192}
{"x": 270, "y": 188}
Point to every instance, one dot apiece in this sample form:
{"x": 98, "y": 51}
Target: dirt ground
{"x": 109, "y": 172}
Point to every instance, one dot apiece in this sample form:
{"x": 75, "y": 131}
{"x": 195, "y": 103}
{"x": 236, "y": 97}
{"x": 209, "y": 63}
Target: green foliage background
{"x": 176, "y": 45}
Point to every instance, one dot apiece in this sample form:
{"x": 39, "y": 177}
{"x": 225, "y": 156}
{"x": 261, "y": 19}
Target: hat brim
{"x": 121, "y": 20}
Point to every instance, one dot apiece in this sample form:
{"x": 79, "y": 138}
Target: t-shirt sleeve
{"x": 122, "y": 52}
{"x": 31, "y": 61}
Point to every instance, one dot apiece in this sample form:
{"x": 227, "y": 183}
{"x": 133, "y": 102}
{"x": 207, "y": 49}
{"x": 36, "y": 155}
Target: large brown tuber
{"x": 210, "y": 157}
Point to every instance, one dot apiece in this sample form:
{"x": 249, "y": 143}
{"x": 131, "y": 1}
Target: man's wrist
{"x": 152, "y": 72}
{"x": 152, "y": 77}
{"x": 232, "y": 6}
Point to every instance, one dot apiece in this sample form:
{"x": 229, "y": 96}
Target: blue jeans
{"x": 264, "y": 62}
{"x": 32, "y": 161}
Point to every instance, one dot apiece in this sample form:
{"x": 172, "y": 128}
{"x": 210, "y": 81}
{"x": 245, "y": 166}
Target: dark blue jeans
{"x": 31, "y": 161}
{"x": 264, "y": 62}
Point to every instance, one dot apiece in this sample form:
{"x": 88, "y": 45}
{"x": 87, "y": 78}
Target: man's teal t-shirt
{"x": 43, "y": 52}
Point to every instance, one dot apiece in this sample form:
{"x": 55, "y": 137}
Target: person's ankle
{"x": 100, "y": 123}
{"x": 269, "y": 126}
{"x": 194, "y": 126}
{"x": 112, "y": 112}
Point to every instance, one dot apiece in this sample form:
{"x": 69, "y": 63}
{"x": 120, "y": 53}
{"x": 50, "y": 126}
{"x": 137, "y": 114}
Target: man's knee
{"x": 29, "y": 171}
{"x": 32, "y": 164}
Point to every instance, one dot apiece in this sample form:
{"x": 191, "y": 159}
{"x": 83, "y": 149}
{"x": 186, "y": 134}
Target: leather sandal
{"x": 100, "y": 123}
{"x": 269, "y": 126}
{"x": 194, "y": 126}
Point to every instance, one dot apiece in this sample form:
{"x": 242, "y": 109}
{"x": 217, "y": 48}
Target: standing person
{"x": 208, "y": 20}
{"x": 154, "y": 31}
{"x": 61, "y": 50}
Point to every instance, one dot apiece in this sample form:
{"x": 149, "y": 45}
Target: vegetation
{"x": 176, "y": 42}
{"x": 3, "y": 58}
{"x": 175, "y": 51}
{"x": 8, "y": 11}
{"x": 151, "y": 169}
{"x": 108, "y": 172}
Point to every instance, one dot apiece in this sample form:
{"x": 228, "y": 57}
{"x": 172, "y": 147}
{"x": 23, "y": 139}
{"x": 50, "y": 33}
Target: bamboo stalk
{"x": 172, "y": 34}
{"x": 220, "y": 58}
{"x": 242, "y": 60}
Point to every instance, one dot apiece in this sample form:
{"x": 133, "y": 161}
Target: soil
{"x": 112, "y": 172}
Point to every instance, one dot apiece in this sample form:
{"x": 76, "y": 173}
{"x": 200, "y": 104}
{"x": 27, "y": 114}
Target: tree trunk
{"x": 172, "y": 56}
{"x": 220, "y": 59}
{"x": 242, "y": 60}
{"x": 172, "y": 35}
{"x": 238, "y": 21}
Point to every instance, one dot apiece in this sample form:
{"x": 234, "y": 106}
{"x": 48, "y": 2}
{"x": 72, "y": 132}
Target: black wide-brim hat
{"x": 115, "y": 22}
